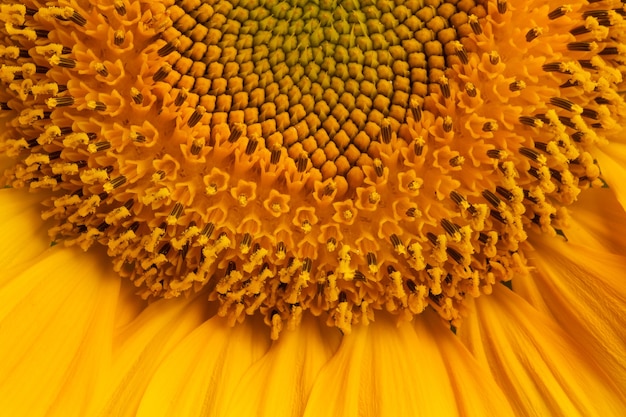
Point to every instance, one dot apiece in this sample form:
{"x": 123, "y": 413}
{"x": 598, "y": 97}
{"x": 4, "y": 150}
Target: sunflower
{"x": 305, "y": 208}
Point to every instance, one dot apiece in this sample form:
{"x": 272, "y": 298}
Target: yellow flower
{"x": 310, "y": 208}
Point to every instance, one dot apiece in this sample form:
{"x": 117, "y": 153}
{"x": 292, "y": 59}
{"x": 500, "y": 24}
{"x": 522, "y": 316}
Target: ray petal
{"x": 540, "y": 367}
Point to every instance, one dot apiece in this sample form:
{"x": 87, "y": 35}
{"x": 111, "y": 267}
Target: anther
{"x": 180, "y": 97}
{"x": 454, "y": 254}
{"x": 196, "y": 116}
{"x": 246, "y": 241}
{"x": 491, "y": 198}
{"x": 473, "y": 21}
{"x": 395, "y": 241}
{"x": 590, "y": 113}
{"x": 416, "y": 110}
{"x": 530, "y": 121}
{"x": 445, "y": 86}
{"x": 60, "y": 102}
{"x": 63, "y": 62}
{"x": 449, "y": 227}
{"x": 196, "y": 147}
{"x": 494, "y": 58}
{"x": 101, "y": 69}
{"x": 490, "y": 126}
{"x": 120, "y": 7}
{"x": 580, "y": 30}
{"x": 609, "y": 50}
{"x": 559, "y": 11}
{"x": 517, "y": 85}
{"x": 207, "y": 230}
{"x": 530, "y": 153}
{"x": 542, "y": 146}
{"x": 115, "y": 183}
{"x": 418, "y": 146}
{"x": 385, "y": 131}
{"x": 562, "y": 103}
{"x": 502, "y": 6}
{"x": 161, "y": 73}
{"x": 275, "y": 156}
{"x": 582, "y": 46}
{"x": 504, "y": 193}
{"x": 235, "y": 132}
{"x": 167, "y": 49}
{"x": 456, "y": 161}
{"x": 495, "y": 153}
{"x": 470, "y": 89}
{"x": 99, "y": 147}
{"x": 136, "y": 95}
{"x": 175, "y": 213}
{"x": 96, "y": 105}
{"x": 533, "y": 34}
{"x": 379, "y": 167}
{"x": 165, "y": 249}
{"x": 301, "y": 163}
{"x": 461, "y": 52}
{"x": 307, "y": 265}
{"x": 555, "y": 67}
{"x": 447, "y": 124}
{"x": 251, "y": 146}
{"x": 118, "y": 37}
{"x": 281, "y": 248}
{"x": 457, "y": 198}
{"x": 103, "y": 226}
{"x": 78, "y": 19}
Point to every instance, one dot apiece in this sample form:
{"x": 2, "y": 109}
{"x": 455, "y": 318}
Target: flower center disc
{"x": 336, "y": 157}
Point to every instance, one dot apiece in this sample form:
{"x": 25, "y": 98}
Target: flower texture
{"x": 309, "y": 208}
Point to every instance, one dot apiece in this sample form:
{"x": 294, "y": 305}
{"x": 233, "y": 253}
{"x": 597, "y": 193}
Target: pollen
{"x": 290, "y": 157}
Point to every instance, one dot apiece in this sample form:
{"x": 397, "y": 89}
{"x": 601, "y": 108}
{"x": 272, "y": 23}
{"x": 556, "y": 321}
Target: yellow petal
{"x": 55, "y": 323}
{"x": 279, "y": 384}
{"x": 541, "y": 369}
{"x": 475, "y": 391}
{"x": 199, "y": 376}
{"x": 383, "y": 370}
{"x": 598, "y": 218}
{"x": 139, "y": 348}
{"x": 583, "y": 288}
{"x": 23, "y": 234}
{"x": 613, "y": 166}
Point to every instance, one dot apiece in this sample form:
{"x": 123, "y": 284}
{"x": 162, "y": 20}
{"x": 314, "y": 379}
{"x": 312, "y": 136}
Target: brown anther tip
{"x": 445, "y": 86}
{"x": 533, "y": 34}
{"x": 490, "y": 126}
{"x": 385, "y": 131}
{"x": 78, "y": 19}
{"x": 136, "y": 96}
{"x": 119, "y": 37}
{"x": 161, "y": 73}
{"x": 461, "y": 52}
{"x": 416, "y": 110}
{"x": 559, "y": 11}
{"x": 470, "y": 89}
{"x": 502, "y": 6}
{"x": 196, "y": 116}
{"x": 236, "y": 132}
{"x": 475, "y": 25}
{"x": 166, "y": 49}
{"x": 120, "y": 7}
{"x": 494, "y": 58}
{"x": 447, "y": 124}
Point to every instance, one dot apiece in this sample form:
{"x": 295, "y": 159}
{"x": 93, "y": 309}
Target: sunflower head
{"x": 336, "y": 157}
